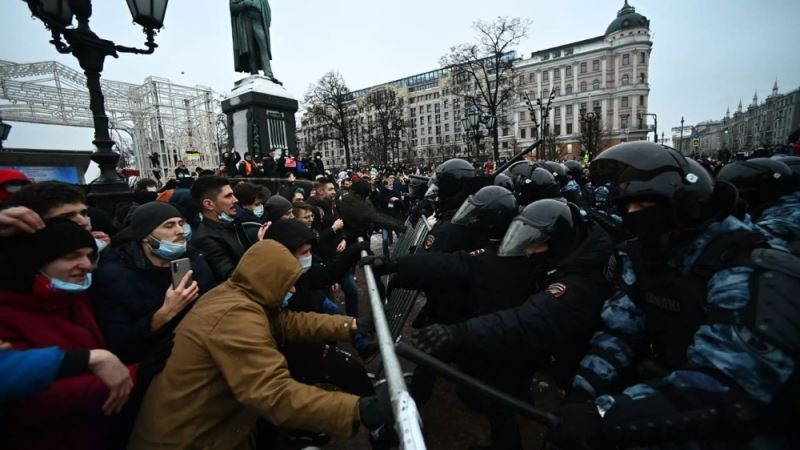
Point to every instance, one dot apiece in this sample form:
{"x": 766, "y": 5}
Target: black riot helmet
{"x": 760, "y": 181}
{"x": 501, "y": 179}
{"x": 574, "y": 169}
{"x": 519, "y": 171}
{"x": 558, "y": 170}
{"x": 491, "y": 209}
{"x": 548, "y": 221}
{"x": 646, "y": 171}
{"x": 794, "y": 164}
{"x": 417, "y": 187}
{"x": 451, "y": 177}
{"x": 539, "y": 184}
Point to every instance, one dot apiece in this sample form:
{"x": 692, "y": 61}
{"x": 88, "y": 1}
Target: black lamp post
{"x": 4, "y": 130}
{"x": 91, "y": 52}
{"x": 472, "y": 124}
{"x": 590, "y": 131}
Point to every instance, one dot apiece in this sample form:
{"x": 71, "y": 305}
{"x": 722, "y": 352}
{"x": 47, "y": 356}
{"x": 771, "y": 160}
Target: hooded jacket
{"x": 227, "y": 369}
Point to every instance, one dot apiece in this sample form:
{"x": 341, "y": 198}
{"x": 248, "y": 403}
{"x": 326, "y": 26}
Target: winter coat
{"x": 360, "y": 217}
{"x": 68, "y": 414}
{"x": 327, "y": 240}
{"x": 222, "y": 244}
{"x": 226, "y": 368}
{"x": 128, "y": 289}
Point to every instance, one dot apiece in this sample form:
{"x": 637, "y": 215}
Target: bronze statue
{"x": 250, "y": 21}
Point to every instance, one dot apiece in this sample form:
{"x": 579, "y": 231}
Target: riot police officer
{"x": 553, "y": 324}
{"x": 769, "y": 188}
{"x": 699, "y": 336}
{"x": 574, "y": 190}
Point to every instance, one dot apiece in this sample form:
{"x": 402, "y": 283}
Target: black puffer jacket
{"x": 360, "y": 217}
{"x": 127, "y": 289}
{"x": 223, "y": 246}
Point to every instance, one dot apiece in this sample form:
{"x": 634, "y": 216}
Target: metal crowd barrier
{"x": 408, "y": 423}
{"x": 398, "y": 307}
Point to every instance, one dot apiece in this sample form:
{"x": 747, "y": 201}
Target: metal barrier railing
{"x": 407, "y": 420}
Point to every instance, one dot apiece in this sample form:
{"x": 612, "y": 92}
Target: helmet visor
{"x": 468, "y": 213}
{"x": 521, "y": 235}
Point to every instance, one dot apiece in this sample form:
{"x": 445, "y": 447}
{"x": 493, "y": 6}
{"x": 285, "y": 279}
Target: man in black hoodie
{"x": 360, "y": 216}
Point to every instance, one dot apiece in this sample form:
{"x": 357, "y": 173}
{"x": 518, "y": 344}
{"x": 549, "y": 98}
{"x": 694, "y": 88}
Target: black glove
{"x": 381, "y": 265}
{"x": 581, "y": 426}
{"x": 376, "y": 411}
{"x": 438, "y": 337}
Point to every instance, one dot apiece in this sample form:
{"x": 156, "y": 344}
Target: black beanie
{"x": 291, "y": 233}
{"x": 275, "y": 207}
{"x": 361, "y": 187}
{"x": 28, "y": 253}
{"x": 148, "y": 217}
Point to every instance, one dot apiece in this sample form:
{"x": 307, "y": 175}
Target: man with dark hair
{"x": 218, "y": 236}
{"x": 54, "y": 199}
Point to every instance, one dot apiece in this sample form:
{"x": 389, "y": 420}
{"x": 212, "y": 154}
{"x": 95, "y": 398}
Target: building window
{"x": 557, "y": 74}
{"x": 595, "y": 85}
{"x": 625, "y": 102}
{"x": 568, "y": 108}
{"x": 583, "y": 86}
{"x": 642, "y": 57}
{"x": 447, "y": 138}
{"x": 583, "y": 67}
{"x": 569, "y": 128}
{"x": 624, "y": 123}
{"x": 569, "y": 89}
{"x": 596, "y": 105}
{"x": 641, "y": 100}
{"x": 413, "y": 112}
{"x": 583, "y": 107}
{"x": 626, "y": 59}
{"x": 505, "y": 144}
{"x": 446, "y": 115}
{"x": 596, "y": 65}
{"x": 545, "y": 94}
{"x": 641, "y": 78}
{"x": 531, "y": 77}
{"x": 626, "y": 80}
{"x": 428, "y": 108}
{"x": 522, "y": 133}
{"x": 545, "y": 75}
{"x": 558, "y": 90}
{"x": 557, "y": 129}
{"x": 446, "y": 127}
{"x": 505, "y": 131}
{"x": 558, "y": 111}
{"x": 568, "y": 71}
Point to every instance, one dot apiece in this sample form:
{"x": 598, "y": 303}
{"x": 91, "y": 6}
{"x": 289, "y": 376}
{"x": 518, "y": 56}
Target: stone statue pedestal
{"x": 261, "y": 117}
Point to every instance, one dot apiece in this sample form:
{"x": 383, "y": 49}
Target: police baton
{"x": 423, "y": 359}
{"x": 517, "y": 157}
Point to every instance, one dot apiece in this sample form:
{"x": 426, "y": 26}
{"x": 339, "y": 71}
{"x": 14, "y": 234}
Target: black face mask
{"x": 650, "y": 223}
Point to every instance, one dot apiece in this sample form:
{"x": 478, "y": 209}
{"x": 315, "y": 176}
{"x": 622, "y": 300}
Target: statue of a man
{"x": 250, "y": 21}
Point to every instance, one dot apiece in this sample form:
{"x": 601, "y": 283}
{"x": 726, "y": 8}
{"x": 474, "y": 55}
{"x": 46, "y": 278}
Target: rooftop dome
{"x": 627, "y": 18}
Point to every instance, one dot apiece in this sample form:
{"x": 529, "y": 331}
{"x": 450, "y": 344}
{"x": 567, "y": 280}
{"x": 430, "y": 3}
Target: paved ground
{"x": 448, "y": 422}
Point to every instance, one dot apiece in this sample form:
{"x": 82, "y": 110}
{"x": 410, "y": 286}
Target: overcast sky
{"x": 707, "y": 54}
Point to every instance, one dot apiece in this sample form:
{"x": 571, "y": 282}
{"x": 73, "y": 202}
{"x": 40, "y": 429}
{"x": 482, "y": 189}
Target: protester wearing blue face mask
{"x": 134, "y": 300}
{"x": 250, "y": 211}
{"x": 221, "y": 238}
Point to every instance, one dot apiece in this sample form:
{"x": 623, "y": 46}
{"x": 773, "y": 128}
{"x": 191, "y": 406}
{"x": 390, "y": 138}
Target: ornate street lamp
{"x": 91, "y": 52}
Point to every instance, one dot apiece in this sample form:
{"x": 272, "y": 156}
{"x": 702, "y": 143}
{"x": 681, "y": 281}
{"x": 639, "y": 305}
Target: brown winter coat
{"x": 226, "y": 367}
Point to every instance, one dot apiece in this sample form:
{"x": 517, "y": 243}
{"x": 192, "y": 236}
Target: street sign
{"x": 695, "y": 143}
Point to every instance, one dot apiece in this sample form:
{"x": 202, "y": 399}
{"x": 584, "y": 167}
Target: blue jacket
{"x": 127, "y": 289}
{"x": 28, "y": 372}
{"x": 725, "y": 364}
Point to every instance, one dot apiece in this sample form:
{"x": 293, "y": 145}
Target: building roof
{"x": 627, "y": 18}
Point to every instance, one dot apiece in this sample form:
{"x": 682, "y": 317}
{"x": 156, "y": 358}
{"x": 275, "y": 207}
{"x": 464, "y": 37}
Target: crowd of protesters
{"x": 106, "y": 344}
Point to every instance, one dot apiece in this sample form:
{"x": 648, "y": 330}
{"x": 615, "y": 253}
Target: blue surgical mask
{"x": 224, "y": 217}
{"x": 286, "y": 299}
{"x": 305, "y": 263}
{"x": 65, "y": 286}
{"x": 168, "y": 250}
{"x": 187, "y": 232}
{"x": 258, "y": 211}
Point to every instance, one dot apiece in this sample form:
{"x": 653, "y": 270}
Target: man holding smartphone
{"x": 136, "y": 300}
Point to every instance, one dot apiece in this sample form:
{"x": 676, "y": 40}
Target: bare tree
{"x": 329, "y": 106}
{"x": 541, "y": 125}
{"x": 385, "y": 125}
{"x": 484, "y": 70}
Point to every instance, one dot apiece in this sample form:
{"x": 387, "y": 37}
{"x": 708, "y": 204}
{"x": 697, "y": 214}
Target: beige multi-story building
{"x": 607, "y": 75}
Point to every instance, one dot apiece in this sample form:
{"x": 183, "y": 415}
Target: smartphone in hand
{"x": 179, "y": 268}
